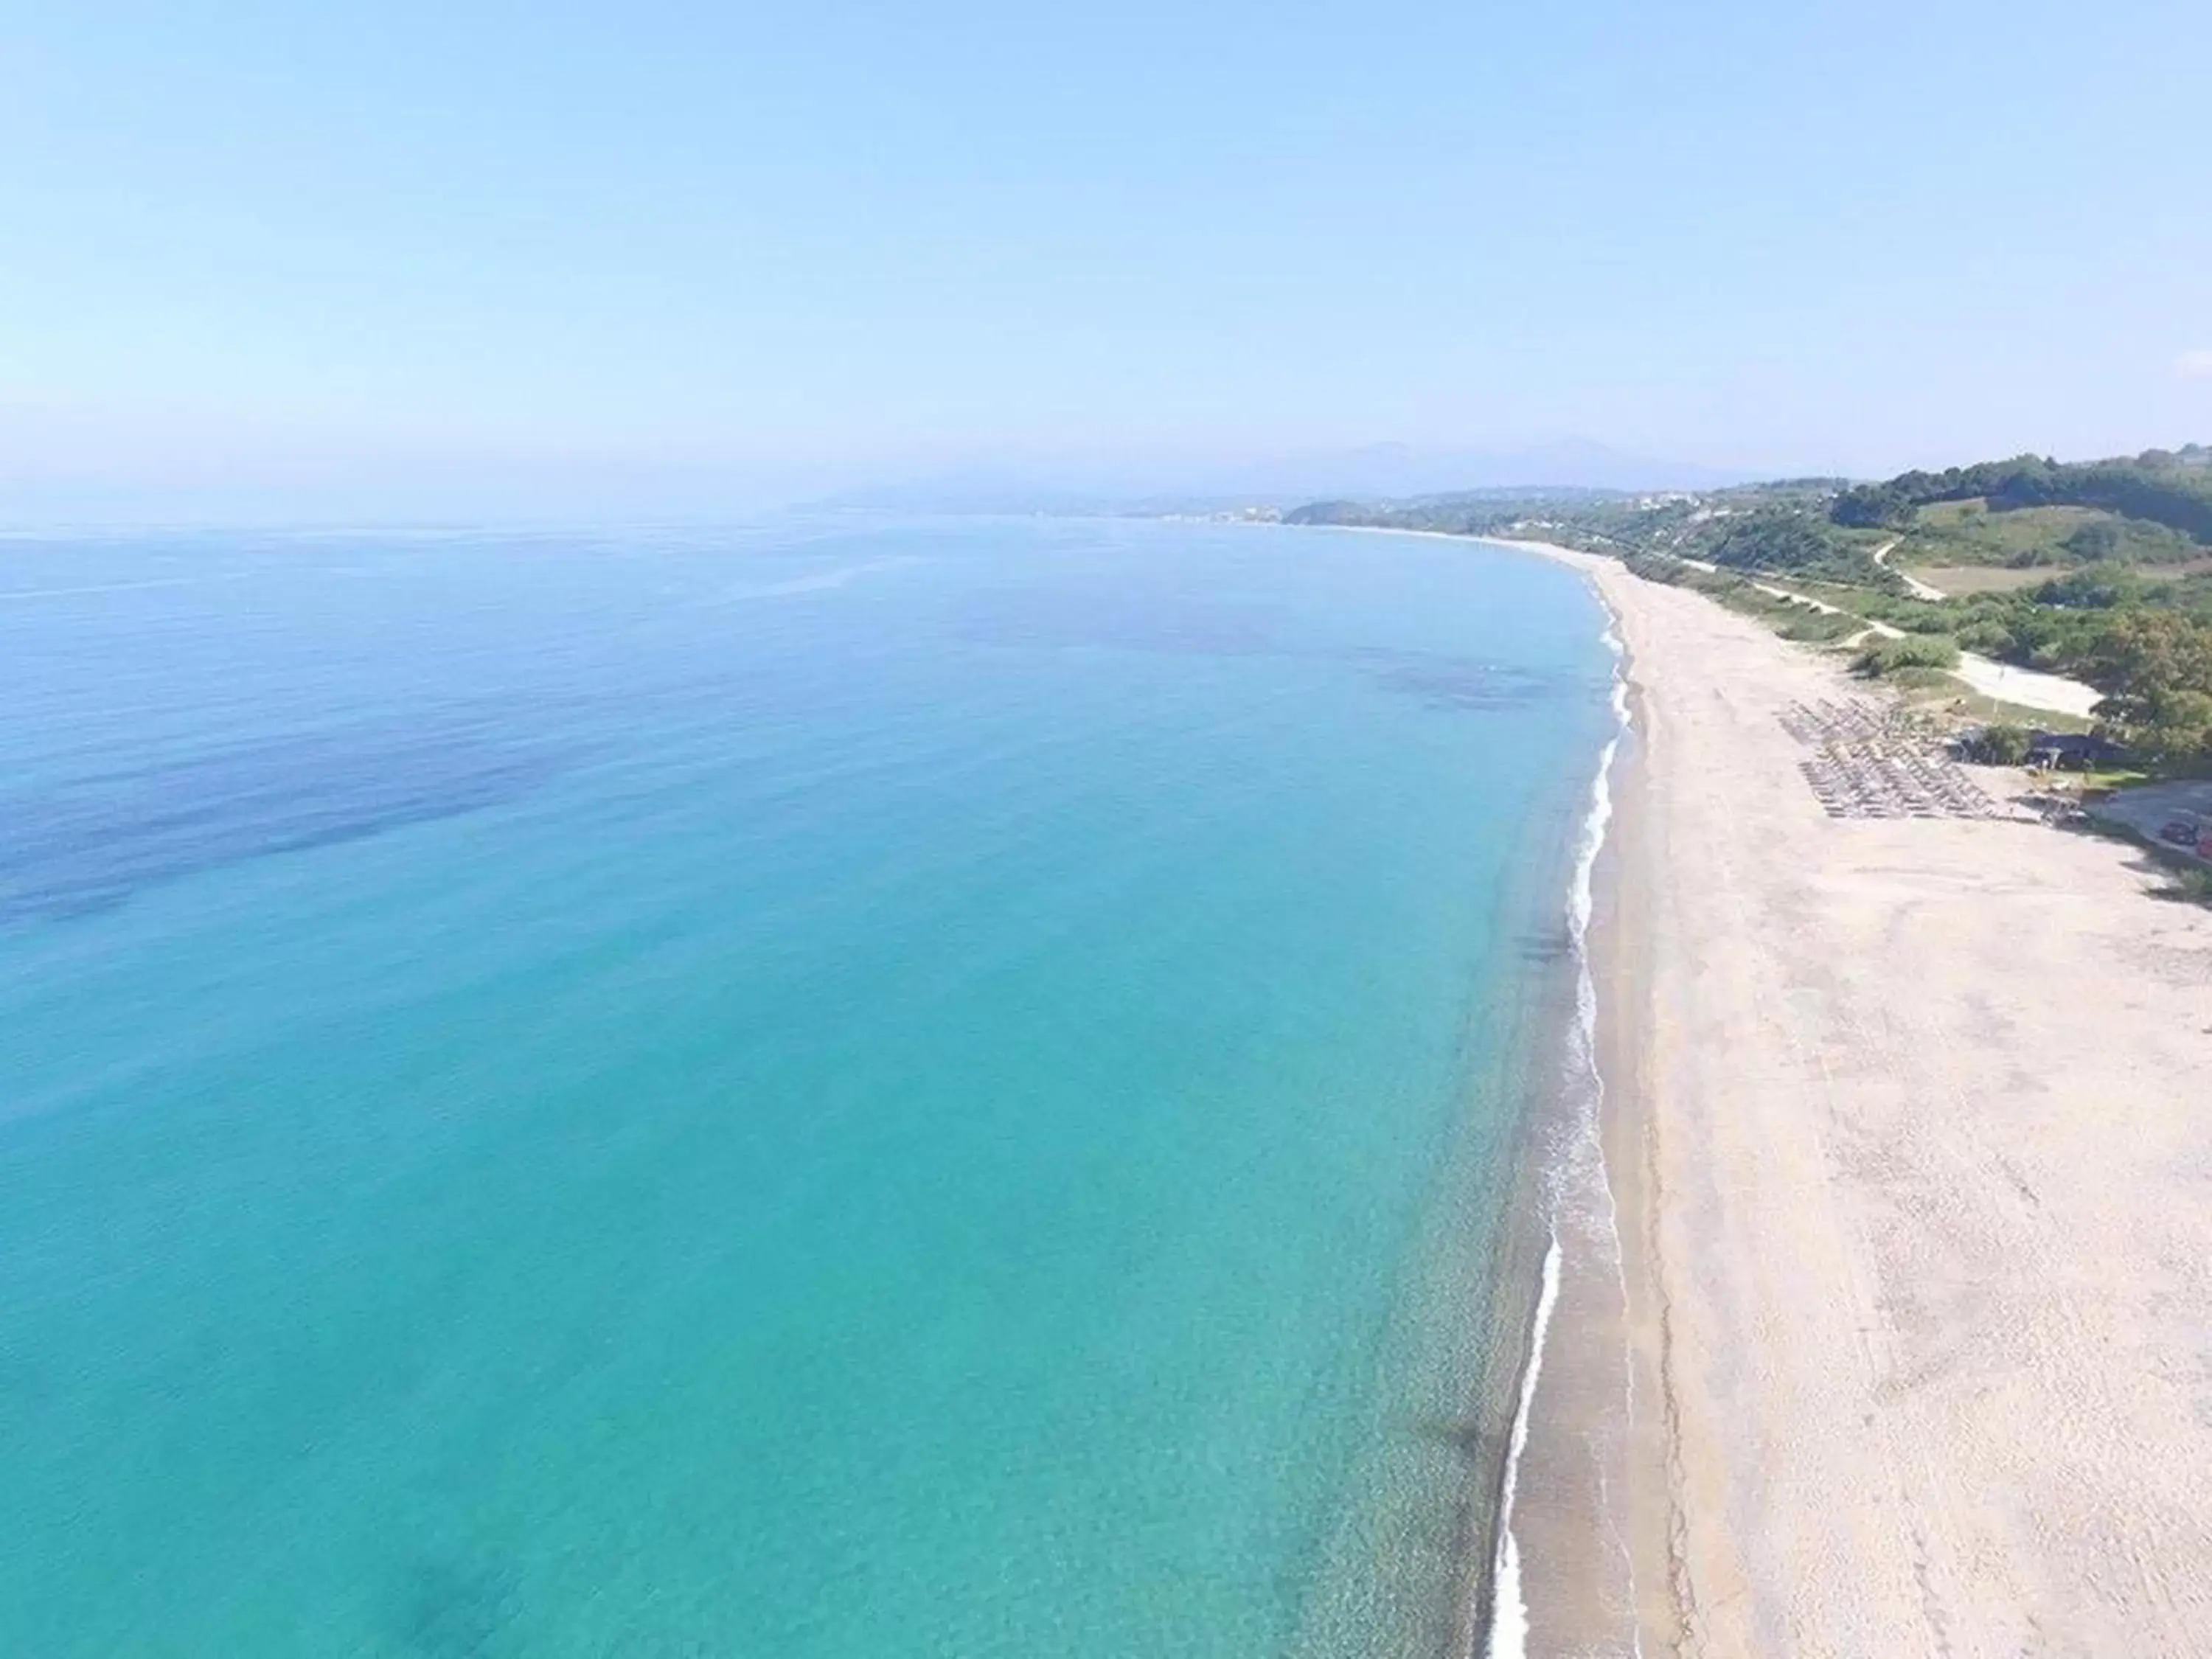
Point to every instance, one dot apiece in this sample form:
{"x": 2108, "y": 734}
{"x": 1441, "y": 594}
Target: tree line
{"x": 2169, "y": 487}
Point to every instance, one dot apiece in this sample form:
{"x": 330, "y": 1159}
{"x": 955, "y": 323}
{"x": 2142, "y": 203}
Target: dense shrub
{"x": 2003, "y": 744}
{"x": 1885, "y": 657}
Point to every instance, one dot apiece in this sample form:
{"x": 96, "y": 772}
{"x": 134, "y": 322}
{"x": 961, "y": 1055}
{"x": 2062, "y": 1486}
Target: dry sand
{"x": 1910, "y": 1125}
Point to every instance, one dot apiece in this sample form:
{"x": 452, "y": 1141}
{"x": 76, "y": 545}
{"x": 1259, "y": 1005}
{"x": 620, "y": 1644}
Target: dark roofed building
{"x": 2076, "y": 751}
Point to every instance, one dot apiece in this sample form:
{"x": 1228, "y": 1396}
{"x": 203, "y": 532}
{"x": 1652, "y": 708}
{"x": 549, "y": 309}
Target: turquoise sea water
{"x": 810, "y": 1092}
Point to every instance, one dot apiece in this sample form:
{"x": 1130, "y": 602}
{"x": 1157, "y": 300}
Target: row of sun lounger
{"x": 1873, "y": 763}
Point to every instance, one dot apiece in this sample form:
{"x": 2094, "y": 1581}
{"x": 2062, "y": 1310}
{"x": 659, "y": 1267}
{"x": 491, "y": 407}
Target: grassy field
{"x": 1967, "y": 533}
{"x": 1955, "y": 534}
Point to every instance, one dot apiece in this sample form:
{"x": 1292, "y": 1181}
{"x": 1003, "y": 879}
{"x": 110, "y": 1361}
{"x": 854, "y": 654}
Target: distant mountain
{"x": 1178, "y": 484}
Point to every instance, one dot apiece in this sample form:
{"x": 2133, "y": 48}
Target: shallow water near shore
{"x": 835, "y": 1088}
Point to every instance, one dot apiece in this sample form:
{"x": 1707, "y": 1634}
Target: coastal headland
{"x": 1904, "y": 1346}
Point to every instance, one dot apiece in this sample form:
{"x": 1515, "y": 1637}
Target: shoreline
{"x": 1579, "y": 1107}
{"x": 1903, "y": 1127}
{"x": 1596, "y": 1556}
{"x": 1586, "y": 1481}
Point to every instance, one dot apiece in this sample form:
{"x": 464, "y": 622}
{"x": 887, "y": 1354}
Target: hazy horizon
{"x": 522, "y": 491}
{"x": 436, "y": 263}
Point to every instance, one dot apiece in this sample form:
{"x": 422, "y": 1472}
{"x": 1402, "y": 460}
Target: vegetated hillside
{"x": 2125, "y": 608}
{"x": 1969, "y": 533}
{"x": 1780, "y": 539}
{"x": 2154, "y": 508}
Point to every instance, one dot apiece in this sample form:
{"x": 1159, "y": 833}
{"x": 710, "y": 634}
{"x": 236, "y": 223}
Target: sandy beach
{"x": 1907, "y": 1347}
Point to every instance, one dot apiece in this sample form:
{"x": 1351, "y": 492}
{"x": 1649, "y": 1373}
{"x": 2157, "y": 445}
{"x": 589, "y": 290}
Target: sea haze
{"x": 835, "y": 1089}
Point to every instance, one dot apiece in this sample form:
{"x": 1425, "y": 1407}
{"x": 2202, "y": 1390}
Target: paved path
{"x": 1913, "y": 584}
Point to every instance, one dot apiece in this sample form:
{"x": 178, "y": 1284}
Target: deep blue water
{"x": 816, "y": 1090}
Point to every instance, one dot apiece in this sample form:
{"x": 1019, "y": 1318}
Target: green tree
{"x": 2098, "y": 539}
{"x": 2176, "y": 728}
{"x": 2002, "y": 744}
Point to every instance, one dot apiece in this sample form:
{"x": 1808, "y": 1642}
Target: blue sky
{"x": 314, "y": 248}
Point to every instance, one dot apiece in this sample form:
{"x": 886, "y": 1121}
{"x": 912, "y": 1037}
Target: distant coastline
{"x": 2035, "y": 597}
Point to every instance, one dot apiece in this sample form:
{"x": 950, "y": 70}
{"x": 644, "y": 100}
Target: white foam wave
{"x": 1509, "y": 1619}
{"x": 1577, "y": 1176}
